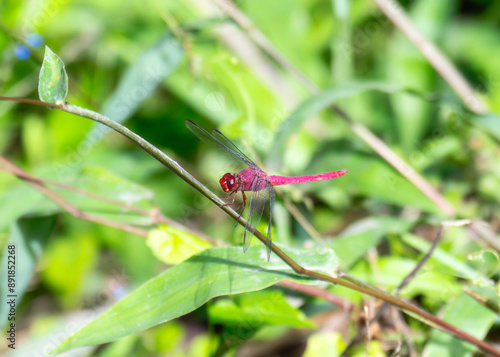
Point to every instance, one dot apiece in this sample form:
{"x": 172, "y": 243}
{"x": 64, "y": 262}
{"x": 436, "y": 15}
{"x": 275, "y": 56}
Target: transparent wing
{"x": 258, "y": 201}
{"x": 224, "y": 140}
{"x": 272, "y": 198}
{"x": 226, "y": 145}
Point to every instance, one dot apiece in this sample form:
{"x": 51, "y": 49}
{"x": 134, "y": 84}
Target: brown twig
{"x": 319, "y": 293}
{"x": 436, "y": 58}
{"x": 65, "y": 205}
{"x": 155, "y": 215}
{"x": 31, "y": 101}
{"x": 421, "y": 263}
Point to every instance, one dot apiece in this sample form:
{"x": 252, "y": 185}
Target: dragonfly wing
{"x": 224, "y": 140}
{"x": 258, "y": 201}
{"x": 272, "y": 198}
{"x": 226, "y": 146}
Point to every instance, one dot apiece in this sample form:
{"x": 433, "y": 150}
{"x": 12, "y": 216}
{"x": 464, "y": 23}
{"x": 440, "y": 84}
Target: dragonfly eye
{"x": 228, "y": 183}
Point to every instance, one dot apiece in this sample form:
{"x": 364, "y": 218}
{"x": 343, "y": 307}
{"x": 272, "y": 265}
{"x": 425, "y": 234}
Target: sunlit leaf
{"x": 173, "y": 245}
{"x": 324, "y": 344}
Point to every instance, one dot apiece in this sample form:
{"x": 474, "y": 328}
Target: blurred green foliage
{"x": 151, "y": 65}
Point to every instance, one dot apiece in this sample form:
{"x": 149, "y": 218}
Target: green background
{"x": 151, "y": 65}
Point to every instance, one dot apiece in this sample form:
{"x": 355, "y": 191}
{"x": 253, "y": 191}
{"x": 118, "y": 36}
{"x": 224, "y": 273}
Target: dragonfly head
{"x": 228, "y": 183}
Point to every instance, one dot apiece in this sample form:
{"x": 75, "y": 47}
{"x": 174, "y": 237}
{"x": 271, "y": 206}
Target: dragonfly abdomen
{"x": 287, "y": 180}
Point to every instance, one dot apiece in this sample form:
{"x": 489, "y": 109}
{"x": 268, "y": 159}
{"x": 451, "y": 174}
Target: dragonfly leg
{"x": 244, "y": 200}
{"x": 244, "y": 204}
{"x": 232, "y": 195}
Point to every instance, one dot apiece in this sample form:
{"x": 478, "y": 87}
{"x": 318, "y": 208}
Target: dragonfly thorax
{"x": 228, "y": 183}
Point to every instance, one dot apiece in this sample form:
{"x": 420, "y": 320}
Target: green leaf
{"x": 28, "y": 236}
{"x": 185, "y": 287}
{"x": 173, "y": 245}
{"x": 267, "y": 307}
{"x": 53, "y": 80}
{"x": 468, "y": 315}
{"x": 35, "y": 143}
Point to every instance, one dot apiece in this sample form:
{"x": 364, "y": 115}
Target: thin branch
{"x": 180, "y": 34}
{"x": 67, "y": 206}
{"x": 435, "y": 57}
{"x": 421, "y": 263}
{"x": 319, "y": 293}
{"x": 31, "y": 101}
{"x": 155, "y": 215}
{"x": 366, "y": 135}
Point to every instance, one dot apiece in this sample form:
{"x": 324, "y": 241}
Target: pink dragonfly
{"x": 252, "y": 179}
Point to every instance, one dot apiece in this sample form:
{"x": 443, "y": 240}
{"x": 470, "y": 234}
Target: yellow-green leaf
{"x": 173, "y": 245}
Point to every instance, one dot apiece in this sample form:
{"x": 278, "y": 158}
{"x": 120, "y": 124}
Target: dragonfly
{"x": 252, "y": 179}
